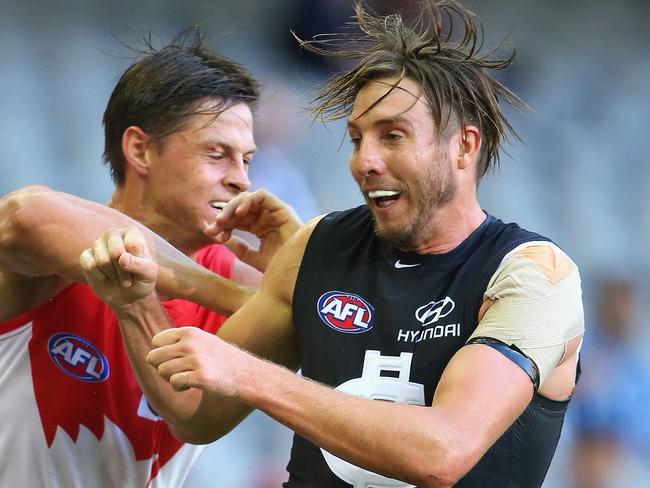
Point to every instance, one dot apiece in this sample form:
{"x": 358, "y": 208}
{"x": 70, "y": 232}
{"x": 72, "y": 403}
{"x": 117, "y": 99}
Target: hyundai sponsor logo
{"x": 434, "y": 311}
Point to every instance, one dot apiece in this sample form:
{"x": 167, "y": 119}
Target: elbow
{"x": 195, "y": 429}
{"x": 187, "y": 436}
{"x": 456, "y": 461}
{"x": 194, "y": 436}
{"x": 24, "y": 206}
{"x": 437, "y": 476}
{"x": 17, "y": 218}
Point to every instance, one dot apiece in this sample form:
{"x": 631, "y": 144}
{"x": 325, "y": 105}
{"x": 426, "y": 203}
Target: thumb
{"x": 144, "y": 269}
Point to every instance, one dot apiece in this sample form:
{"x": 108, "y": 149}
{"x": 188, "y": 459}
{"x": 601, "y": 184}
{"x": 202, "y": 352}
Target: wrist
{"x": 133, "y": 310}
{"x": 259, "y": 381}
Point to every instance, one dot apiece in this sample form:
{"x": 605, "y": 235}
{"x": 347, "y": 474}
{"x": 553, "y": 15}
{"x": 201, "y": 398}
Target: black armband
{"x": 514, "y": 354}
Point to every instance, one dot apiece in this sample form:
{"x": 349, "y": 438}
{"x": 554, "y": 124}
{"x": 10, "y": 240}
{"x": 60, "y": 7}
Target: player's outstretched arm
{"x": 43, "y": 232}
{"x": 479, "y": 397}
{"x": 122, "y": 274}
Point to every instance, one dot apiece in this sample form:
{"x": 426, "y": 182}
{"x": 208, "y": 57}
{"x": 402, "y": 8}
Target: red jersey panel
{"x": 82, "y": 385}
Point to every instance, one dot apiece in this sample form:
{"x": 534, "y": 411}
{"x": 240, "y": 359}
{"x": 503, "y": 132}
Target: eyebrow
{"x": 383, "y": 121}
{"x": 227, "y": 147}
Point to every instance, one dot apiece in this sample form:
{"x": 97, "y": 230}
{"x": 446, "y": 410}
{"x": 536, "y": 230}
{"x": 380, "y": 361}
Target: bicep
{"x": 480, "y": 394}
{"x": 264, "y": 325}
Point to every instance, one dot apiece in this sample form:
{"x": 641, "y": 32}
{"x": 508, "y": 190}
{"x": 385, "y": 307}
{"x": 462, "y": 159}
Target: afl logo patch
{"x": 345, "y": 312}
{"x": 77, "y": 357}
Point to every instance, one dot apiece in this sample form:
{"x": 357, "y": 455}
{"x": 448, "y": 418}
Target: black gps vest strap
{"x": 514, "y": 354}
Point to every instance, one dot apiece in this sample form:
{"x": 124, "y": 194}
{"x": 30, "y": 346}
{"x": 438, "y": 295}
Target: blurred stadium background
{"x": 581, "y": 175}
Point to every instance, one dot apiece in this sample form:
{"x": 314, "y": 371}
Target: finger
{"x": 265, "y": 200}
{"x": 174, "y": 366}
{"x": 116, "y": 248}
{"x": 260, "y": 212}
{"x": 181, "y": 381}
{"x": 114, "y": 241}
{"x": 245, "y": 206}
{"x": 90, "y": 270}
{"x": 142, "y": 269}
{"x": 103, "y": 259}
{"x": 228, "y": 212}
{"x": 160, "y": 355}
{"x": 240, "y": 212}
{"x": 218, "y": 233}
{"x": 135, "y": 242}
{"x": 210, "y": 230}
{"x": 279, "y": 209}
{"x": 244, "y": 211}
{"x": 268, "y": 221}
{"x": 166, "y": 337}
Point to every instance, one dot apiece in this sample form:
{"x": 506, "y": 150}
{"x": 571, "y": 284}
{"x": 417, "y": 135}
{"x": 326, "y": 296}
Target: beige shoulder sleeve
{"x": 535, "y": 303}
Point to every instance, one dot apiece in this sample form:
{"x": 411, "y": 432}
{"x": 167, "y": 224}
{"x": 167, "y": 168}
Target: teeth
{"x": 218, "y": 205}
{"x": 382, "y": 193}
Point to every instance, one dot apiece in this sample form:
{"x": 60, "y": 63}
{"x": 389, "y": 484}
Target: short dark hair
{"x": 450, "y": 68}
{"x": 166, "y": 86}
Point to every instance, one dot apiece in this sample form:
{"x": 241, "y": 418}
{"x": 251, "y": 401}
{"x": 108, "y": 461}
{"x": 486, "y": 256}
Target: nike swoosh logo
{"x": 399, "y": 265}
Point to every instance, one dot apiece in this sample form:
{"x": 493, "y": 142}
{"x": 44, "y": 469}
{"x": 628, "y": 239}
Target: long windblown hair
{"x": 449, "y": 65}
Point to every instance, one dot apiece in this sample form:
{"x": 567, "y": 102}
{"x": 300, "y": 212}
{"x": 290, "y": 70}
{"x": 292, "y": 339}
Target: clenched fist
{"x": 118, "y": 267}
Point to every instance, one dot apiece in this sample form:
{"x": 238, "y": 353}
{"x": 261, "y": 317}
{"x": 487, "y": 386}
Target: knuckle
{"x": 201, "y": 378}
{"x": 102, "y": 260}
{"x": 163, "y": 370}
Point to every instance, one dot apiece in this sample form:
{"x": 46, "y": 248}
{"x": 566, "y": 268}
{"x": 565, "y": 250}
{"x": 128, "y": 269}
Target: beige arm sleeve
{"x": 535, "y": 303}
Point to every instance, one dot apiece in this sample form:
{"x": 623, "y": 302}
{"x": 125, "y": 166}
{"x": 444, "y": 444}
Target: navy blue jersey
{"x": 379, "y": 323}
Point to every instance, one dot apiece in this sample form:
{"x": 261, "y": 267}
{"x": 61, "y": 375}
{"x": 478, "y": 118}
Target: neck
{"x": 451, "y": 225}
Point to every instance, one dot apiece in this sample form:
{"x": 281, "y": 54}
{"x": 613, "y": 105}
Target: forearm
{"x": 192, "y": 415}
{"x": 412, "y": 443}
{"x": 181, "y": 277}
{"x": 43, "y": 233}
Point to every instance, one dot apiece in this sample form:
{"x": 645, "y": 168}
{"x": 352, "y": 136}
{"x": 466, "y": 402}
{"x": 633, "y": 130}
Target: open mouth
{"x": 383, "y": 198}
{"x": 218, "y": 205}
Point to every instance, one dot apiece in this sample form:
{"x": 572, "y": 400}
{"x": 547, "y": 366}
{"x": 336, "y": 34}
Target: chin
{"x": 402, "y": 237}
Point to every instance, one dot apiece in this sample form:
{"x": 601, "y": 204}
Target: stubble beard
{"x": 435, "y": 189}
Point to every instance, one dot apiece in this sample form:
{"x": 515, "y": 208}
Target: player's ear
{"x": 134, "y": 149}
{"x": 469, "y": 147}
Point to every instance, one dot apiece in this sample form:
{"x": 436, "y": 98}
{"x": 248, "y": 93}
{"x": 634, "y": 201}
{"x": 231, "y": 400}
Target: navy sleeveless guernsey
{"x": 379, "y": 323}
